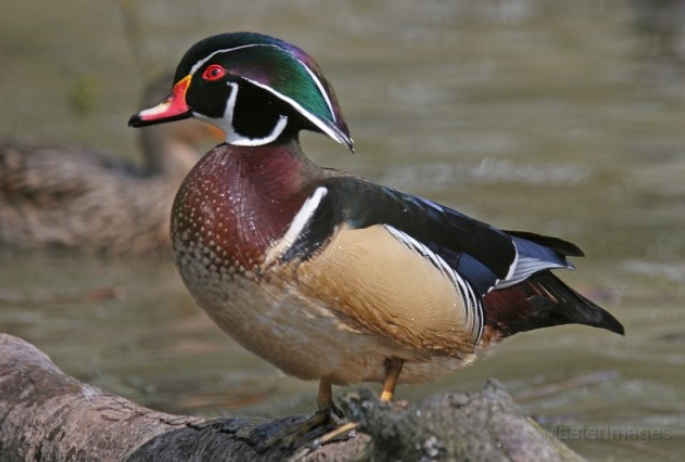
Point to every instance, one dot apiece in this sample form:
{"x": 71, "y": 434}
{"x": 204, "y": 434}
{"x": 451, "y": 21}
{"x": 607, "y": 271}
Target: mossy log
{"x": 46, "y": 415}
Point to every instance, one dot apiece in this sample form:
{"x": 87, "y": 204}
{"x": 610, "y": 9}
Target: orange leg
{"x": 327, "y": 414}
{"x": 393, "y": 368}
{"x": 328, "y": 408}
{"x": 325, "y": 401}
{"x": 325, "y": 397}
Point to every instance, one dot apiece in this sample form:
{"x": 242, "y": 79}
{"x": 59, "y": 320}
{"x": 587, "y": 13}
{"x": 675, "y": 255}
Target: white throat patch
{"x": 232, "y": 136}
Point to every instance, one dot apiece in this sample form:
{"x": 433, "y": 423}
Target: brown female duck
{"x": 74, "y": 197}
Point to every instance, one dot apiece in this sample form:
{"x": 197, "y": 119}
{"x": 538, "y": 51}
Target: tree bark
{"x": 46, "y": 415}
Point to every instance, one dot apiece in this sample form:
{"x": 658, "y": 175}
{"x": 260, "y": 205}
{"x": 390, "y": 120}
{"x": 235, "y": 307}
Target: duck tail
{"x": 543, "y": 300}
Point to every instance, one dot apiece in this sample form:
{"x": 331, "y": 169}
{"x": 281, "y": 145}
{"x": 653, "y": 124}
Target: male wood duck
{"x": 327, "y": 275}
{"x": 69, "y": 196}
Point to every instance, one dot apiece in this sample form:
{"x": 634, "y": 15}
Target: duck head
{"x": 257, "y": 89}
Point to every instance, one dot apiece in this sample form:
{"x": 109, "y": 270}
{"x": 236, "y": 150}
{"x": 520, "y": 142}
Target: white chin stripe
{"x": 233, "y": 137}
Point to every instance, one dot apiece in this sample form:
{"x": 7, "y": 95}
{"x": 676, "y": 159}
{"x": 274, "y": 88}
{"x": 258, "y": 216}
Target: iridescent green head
{"x": 258, "y": 89}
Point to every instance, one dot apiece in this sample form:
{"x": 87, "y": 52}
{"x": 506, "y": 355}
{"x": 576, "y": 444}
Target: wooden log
{"x": 46, "y": 415}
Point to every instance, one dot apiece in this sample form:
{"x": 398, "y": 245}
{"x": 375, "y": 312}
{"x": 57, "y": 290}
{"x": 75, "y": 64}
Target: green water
{"x": 564, "y": 118}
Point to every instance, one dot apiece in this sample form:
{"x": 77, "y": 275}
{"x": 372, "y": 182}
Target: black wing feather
{"x": 480, "y": 253}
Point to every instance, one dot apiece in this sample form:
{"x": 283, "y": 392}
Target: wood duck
{"x": 74, "y": 197}
{"x": 327, "y": 275}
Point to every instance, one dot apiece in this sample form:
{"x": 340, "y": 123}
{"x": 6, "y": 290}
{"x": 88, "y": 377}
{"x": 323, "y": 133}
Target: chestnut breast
{"x": 237, "y": 201}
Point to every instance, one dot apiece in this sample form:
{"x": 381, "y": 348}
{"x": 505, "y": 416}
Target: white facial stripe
{"x": 226, "y": 123}
{"x": 230, "y": 104}
{"x": 316, "y": 79}
{"x": 235, "y": 138}
{"x": 201, "y": 62}
{"x": 322, "y": 90}
{"x": 311, "y": 117}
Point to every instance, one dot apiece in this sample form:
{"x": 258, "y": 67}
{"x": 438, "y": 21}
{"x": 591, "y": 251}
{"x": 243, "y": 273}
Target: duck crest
{"x": 238, "y": 201}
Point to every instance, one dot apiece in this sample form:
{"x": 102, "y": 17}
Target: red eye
{"x": 213, "y": 72}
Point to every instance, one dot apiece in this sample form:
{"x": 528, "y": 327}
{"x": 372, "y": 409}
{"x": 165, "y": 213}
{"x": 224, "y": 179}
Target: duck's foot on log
{"x": 293, "y": 433}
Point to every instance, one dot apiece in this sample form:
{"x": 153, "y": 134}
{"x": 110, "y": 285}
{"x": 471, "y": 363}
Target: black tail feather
{"x": 543, "y": 300}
